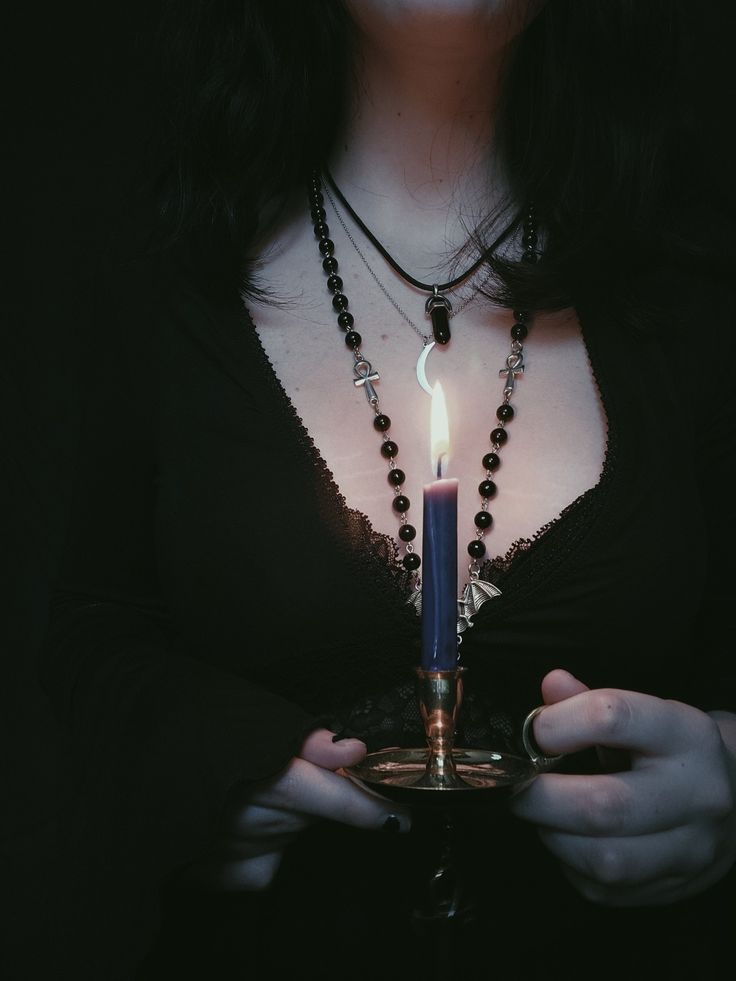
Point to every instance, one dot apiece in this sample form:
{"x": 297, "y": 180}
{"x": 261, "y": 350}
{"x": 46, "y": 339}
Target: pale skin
{"x": 660, "y": 830}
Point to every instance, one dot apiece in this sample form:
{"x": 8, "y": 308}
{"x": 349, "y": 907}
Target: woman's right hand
{"x": 260, "y": 825}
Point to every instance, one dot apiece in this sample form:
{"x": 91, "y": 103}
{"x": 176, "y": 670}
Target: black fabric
{"x": 218, "y": 599}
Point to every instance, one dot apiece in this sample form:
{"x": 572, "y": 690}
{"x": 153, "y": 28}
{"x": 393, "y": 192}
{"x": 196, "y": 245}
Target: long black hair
{"x": 593, "y": 127}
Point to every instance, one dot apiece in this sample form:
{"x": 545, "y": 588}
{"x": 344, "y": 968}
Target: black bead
{"x": 411, "y": 561}
{"x": 476, "y": 548}
{"x": 389, "y": 449}
{"x": 407, "y": 533}
{"x": 530, "y": 238}
{"x": 530, "y": 257}
{"x": 499, "y": 436}
{"x": 340, "y": 302}
{"x": 505, "y": 412}
{"x": 316, "y": 199}
{"x": 483, "y": 519}
{"x": 353, "y": 339}
{"x": 519, "y": 332}
{"x": 486, "y": 488}
{"x": 345, "y": 320}
{"x": 382, "y": 422}
{"x": 318, "y": 214}
{"x": 396, "y": 478}
{"x": 520, "y": 315}
{"x": 401, "y": 503}
{"x": 322, "y": 229}
{"x": 491, "y": 461}
{"x": 334, "y": 284}
{"x": 330, "y": 264}
{"x": 326, "y": 246}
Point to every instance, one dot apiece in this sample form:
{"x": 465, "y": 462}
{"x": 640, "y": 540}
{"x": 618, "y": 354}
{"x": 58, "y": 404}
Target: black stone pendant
{"x": 438, "y": 307}
{"x": 440, "y": 324}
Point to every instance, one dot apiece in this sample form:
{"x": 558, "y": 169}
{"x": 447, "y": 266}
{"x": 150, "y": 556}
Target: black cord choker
{"x": 437, "y": 307}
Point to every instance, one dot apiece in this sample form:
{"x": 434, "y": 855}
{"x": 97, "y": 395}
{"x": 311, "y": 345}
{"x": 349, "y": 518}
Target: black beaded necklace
{"x": 476, "y": 591}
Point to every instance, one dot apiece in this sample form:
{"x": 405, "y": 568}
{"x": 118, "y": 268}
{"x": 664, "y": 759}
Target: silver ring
{"x": 535, "y": 754}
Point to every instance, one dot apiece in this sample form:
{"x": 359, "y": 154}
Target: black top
{"x": 191, "y": 647}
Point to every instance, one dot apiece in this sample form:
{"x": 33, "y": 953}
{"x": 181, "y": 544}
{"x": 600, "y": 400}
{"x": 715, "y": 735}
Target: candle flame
{"x": 439, "y": 432}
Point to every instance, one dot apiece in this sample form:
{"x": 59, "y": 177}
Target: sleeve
{"x": 158, "y": 739}
{"x": 712, "y": 396}
{"x": 716, "y": 664}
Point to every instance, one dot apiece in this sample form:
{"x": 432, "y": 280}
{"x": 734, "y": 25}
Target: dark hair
{"x": 592, "y": 128}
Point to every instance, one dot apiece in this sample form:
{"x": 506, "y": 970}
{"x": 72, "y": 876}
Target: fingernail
{"x": 391, "y": 824}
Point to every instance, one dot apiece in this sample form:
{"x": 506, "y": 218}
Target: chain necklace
{"x": 428, "y": 343}
{"x": 476, "y": 591}
{"x": 426, "y": 338}
{"x": 438, "y": 308}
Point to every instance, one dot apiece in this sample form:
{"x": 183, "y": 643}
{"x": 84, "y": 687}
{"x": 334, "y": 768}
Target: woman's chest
{"x": 555, "y": 443}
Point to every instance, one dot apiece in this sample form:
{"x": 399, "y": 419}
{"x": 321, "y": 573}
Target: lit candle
{"x": 439, "y": 545}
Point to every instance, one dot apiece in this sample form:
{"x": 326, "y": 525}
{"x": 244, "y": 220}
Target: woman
{"x": 232, "y": 627}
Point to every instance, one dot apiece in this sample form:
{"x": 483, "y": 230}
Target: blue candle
{"x": 439, "y": 576}
{"x": 439, "y": 545}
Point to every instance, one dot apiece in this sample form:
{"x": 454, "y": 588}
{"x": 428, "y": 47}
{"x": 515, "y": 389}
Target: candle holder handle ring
{"x": 540, "y": 760}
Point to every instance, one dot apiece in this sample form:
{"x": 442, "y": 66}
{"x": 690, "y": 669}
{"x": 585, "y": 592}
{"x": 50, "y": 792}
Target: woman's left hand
{"x": 657, "y": 832}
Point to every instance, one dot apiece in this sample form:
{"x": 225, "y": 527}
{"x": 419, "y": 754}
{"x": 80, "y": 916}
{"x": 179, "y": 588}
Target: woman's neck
{"x": 415, "y": 157}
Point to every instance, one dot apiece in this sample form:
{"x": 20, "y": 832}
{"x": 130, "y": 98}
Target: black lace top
{"x": 191, "y": 647}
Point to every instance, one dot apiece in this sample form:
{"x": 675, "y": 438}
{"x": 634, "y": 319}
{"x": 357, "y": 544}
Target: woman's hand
{"x": 260, "y": 825}
{"x": 662, "y": 829}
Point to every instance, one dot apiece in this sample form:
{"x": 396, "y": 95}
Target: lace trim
{"x": 555, "y": 543}
{"x": 355, "y": 536}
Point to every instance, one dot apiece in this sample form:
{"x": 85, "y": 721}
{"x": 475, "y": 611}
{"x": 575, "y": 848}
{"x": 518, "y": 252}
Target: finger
{"x": 626, "y": 863}
{"x": 270, "y": 825}
{"x": 621, "y": 720}
{"x": 559, "y": 685}
{"x": 318, "y": 748}
{"x": 665, "y": 889}
{"x": 233, "y": 867}
{"x": 251, "y": 874}
{"x": 604, "y": 805}
{"x": 314, "y": 791}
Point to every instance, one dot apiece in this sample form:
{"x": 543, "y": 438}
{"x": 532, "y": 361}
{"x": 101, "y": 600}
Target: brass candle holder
{"x": 441, "y": 774}
{"x": 442, "y": 782}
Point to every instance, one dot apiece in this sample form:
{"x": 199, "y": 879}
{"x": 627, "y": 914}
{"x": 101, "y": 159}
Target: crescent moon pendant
{"x": 422, "y": 367}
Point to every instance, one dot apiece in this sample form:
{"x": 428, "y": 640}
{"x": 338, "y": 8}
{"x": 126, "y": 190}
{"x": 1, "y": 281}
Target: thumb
{"x": 318, "y": 748}
{"x": 559, "y": 685}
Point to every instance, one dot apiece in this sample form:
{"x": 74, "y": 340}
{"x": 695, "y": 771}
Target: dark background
{"x": 83, "y": 105}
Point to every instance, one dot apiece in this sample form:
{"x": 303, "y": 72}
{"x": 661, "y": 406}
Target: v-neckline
{"x": 500, "y": 569}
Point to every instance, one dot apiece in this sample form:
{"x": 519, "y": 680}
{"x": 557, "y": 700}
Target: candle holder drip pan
{"x": 401, "y": 776}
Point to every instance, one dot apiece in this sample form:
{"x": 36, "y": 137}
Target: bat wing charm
{"x": 476, "y": 593}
